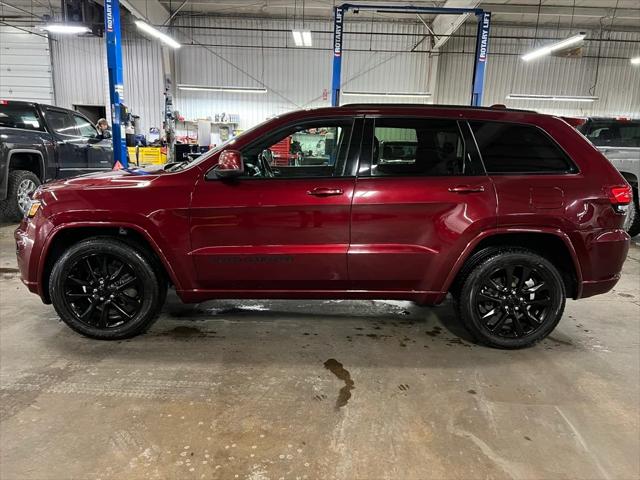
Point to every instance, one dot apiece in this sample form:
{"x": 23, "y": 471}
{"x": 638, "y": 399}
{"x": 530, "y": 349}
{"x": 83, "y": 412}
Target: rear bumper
{"x": 603, "y": 255}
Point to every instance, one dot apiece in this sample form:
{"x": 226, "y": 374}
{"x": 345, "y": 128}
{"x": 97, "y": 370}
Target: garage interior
{"x": 315, "y": 389}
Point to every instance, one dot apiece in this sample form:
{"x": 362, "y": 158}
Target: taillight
{"x": 620, "y": 196}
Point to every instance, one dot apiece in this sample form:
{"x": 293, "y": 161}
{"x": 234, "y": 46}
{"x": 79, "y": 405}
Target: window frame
{"x": 573, "y": 167}
{"x": 468, "y": 141}
{"x": 349, "y": 165}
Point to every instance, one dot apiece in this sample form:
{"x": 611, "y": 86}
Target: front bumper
{"x": 30, "y": 237}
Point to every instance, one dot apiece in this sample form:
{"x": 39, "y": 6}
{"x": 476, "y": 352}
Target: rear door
{"x": 421, "y": 197}
{"x": 284, "y": 226}
{"x": 70, "y": 145}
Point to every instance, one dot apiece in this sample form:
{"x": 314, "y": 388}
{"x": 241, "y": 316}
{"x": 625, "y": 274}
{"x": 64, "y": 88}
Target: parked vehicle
{"x": 509, "y": 211}
{"x": 619, "y": 140}
{"x": 39, "y": 143}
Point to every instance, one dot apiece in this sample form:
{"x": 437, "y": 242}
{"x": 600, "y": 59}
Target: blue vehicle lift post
{"x": 482, "y": 43}
{"x": 116, "y": 79}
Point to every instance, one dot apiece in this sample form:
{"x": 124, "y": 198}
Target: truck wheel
{"x": 104, "y": 289}
{"x": 512, "y": 299}
{"x": 632, "y": 220}
{"x": 22, "y": 184}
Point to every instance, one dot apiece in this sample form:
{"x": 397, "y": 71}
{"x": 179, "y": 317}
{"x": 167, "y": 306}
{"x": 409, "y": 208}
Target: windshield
{"x": 613, "y": 132}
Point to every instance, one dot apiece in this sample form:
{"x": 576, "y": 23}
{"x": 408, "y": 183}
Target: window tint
{"x": 60, "y": 122}
{"x": 309, "y": 150}
{"x": 19, "y": 116}
{"x": 417, "y": 146}
{"x": 84, "y": 127}
{"x": 513, "y": 148}
{"x": 613, "y": 133}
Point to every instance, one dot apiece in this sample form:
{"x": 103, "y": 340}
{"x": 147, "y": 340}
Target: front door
{"x": 99, "y": 151}
{"x": 70, "y": 145}
{"x": 421, "y": 197}
{"x": 285, "y": 224}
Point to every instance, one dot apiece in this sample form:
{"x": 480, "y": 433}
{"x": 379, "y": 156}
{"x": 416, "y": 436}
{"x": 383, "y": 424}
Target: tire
{"x": 21, "y": 185}
{"x": 124, "y": 304}
{"x": 514, "y": 317}
{"x": 632, "y": 220}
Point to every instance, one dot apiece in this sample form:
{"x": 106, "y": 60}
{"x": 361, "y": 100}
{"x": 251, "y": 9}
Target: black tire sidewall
{"x": 151, "y": 294}
{"x": 9, "y": 208}
{"x": 472, "y": 284}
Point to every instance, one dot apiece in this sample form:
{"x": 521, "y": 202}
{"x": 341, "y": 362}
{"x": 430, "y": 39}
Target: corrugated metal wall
{"x": 80, "y": 75}
{"x": 25, "y": 66}
{"x": 294, "y": 77}
{"x": 614, "y": 80}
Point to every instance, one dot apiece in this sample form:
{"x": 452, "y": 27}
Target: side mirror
{"x": 230, "y": 164}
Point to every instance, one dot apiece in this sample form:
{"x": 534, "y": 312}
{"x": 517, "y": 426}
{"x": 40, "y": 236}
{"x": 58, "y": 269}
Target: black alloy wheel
{"x": 512, "y": 299}
{"x": 106, "y": 288}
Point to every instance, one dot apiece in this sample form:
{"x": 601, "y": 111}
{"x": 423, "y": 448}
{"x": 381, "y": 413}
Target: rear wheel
{"x": 105, "y": 289}
{"x": 21, "y": 184}
{"x": 512, "y": 299}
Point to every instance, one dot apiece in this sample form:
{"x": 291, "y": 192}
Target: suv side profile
{"x": 509, "y": 211}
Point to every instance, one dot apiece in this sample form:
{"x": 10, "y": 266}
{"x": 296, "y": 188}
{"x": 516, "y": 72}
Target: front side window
{"x": 61, "y": 122}
{"x": 84, "y": 127}
{"x": 513, "y": 148}
{"x": 307, "y": 150}
{"x": 418, "y": 146}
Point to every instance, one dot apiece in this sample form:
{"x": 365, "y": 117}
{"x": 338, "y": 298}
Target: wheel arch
{"x": 27, "y": 152}
{"x": 554, "y": 245}
{"x": 63, "y": 235}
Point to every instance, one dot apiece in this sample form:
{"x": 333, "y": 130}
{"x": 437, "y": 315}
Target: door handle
{"x": 325, "y": 192}
{"x": 467, "y": 189}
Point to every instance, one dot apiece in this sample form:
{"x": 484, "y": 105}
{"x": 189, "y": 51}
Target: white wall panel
{"x": 80, "y": 75}
{"x": 25, "y": 66}
{"x": 294, "y": 77}
{"x": 614, "y": 80}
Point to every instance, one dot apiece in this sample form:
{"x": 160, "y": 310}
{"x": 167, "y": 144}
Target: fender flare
{"x": 466, "y": 253}
{"x": 12, "y": 152}
{"x": 137, "y": 228}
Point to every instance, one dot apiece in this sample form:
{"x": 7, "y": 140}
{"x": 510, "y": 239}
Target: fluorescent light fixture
{"x": 553, "y": 98}
{"x": 154, "y": 32}
{"x": 635, "y": 61}
{"x": 385, "y": 94}
{"x": 206, "y": 88}
{"x": 547, "y": 49}
{"x": 65, "y": 28}
{"x": 301, "y": 38}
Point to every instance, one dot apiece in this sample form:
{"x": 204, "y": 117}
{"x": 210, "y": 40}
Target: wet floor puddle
{"x": 340, "y": 372}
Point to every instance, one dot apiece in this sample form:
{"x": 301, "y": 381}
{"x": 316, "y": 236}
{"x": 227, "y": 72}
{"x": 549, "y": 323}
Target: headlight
{"x": 33, "y": 208}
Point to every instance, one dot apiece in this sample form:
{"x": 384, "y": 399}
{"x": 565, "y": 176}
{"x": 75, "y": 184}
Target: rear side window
{"x": 613, "y": 132}
{"x": 418, "y": 147}
{"x": 19, "y": 116}
{"x": 61, "y": 122}
{"x": 513, "y": 148}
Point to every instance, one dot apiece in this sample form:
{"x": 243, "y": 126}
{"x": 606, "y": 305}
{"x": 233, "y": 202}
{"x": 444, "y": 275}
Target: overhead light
{"x": 635, "y": 61}
{"x": 301, "y": 38}
{"x": 547, "y": 49}
{"x": 554, "y": 98}
{"x": 206, "y": 88}
{"x": 154, "y": 32}
{"x": 385, "y": 94}
{"x": 65, "y": 28}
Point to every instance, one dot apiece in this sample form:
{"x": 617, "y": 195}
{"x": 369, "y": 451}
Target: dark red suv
{"x": 509, "y": 211}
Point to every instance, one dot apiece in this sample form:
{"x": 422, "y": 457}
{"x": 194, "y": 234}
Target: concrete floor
{"x": 240, "y": 390}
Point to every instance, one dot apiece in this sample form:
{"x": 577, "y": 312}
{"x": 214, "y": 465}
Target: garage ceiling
{"x": 615, "y": 14}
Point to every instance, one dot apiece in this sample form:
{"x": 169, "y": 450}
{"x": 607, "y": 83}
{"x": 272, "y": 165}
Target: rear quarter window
{"x": 20, "y": 116}
{"x": 613, "y": 132}
{"x": 514, "y": 148}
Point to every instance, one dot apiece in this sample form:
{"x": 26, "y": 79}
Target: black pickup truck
{"x": 39, "y": 143}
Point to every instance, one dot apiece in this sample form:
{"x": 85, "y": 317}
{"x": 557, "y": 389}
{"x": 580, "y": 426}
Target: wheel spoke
{"x": 509, "y": 277}
{"x": 496, "y": 286}
{"x": 89, "y": 310}
{"x": 91, "y": 272}
{"x": 104, "y": 316}
{"x": 118, "y": 271}
{"x": 501, "y": 319}
{"x": 517, "y": 326}
{"x": 122, "y": 311}
{"x": 489, "y": 314}
{"x": 105, "y": 267}
{"x": 124, "y": 285}
{"x": 489, "y": 298}
{"x": 78, "y": 295}
{"x": 539, "y": 301}
{"x": 526, "y": 271}
{"x": 78, "y": 281}
{"x": 535, "y": 288}
{"x": 532, "y": 317}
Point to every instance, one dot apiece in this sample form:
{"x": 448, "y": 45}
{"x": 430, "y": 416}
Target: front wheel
{"x": 512, "y": 299}
{"x": 20, "y": 186}
{"x": 105, "y": 289}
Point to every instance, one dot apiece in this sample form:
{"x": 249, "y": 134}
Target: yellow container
{"x": 147, "y": 155}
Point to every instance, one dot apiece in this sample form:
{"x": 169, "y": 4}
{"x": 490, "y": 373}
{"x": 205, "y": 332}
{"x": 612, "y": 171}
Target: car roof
{"x": 382, "y": 106}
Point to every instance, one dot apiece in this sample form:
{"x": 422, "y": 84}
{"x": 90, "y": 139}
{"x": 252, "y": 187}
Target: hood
{"x": 124, "y": 178}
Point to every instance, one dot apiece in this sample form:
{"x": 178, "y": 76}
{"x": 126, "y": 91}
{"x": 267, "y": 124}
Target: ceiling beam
{"x": 150, "y": 10}
{"x": 563, "y": 11}
{"x": 445, "y": 25}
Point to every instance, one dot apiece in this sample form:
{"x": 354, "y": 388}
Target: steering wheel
{"x": 266, "y": 158}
